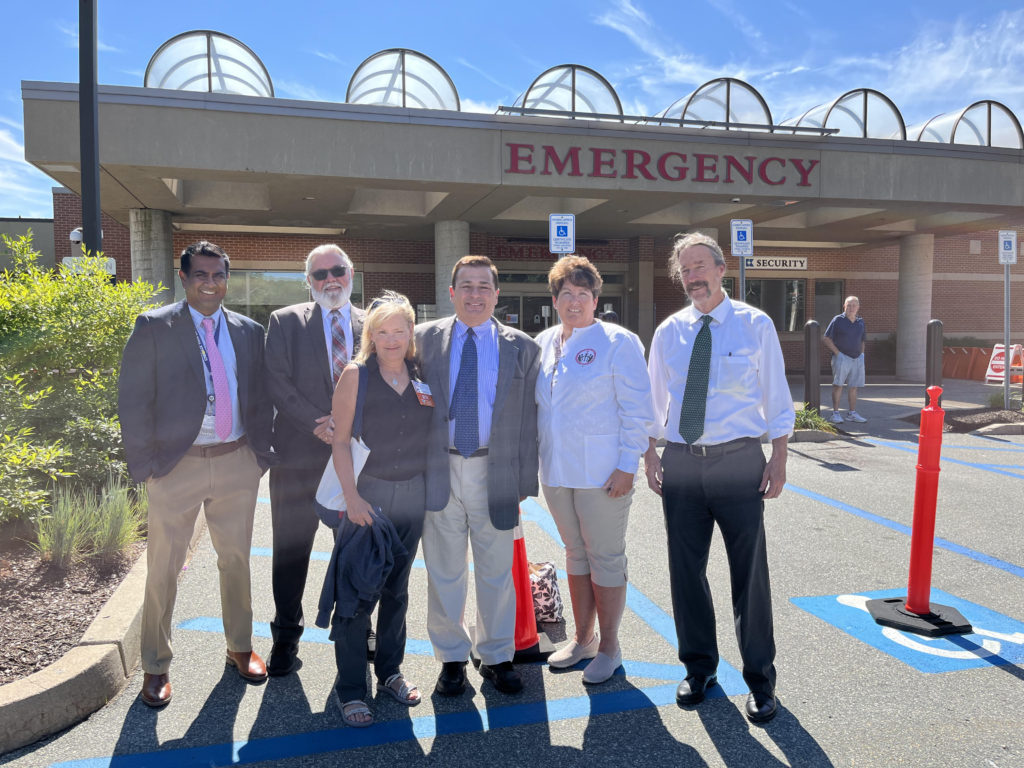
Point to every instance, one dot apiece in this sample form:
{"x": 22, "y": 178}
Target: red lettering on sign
{"x": 602, "y": 158}
{"x": 572, "y": 155}
{"x": 517, "y": 157}
{"x": 706, "y": 164}
{"x": 632, "y": 165}
{"x": 747, "y": 173}
{"x": 762, "y": 170}
{"x": 680, "y": 170}
{"x": 803, "y": 170}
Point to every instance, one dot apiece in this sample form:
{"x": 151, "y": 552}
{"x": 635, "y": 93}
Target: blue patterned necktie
{"x": 695, "y": 398}
{"x": 464, "y": 403}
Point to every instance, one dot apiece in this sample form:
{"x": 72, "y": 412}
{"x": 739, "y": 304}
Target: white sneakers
{"x": 573, "y": 653}
{"x": 854, "y": 416}
{"x": 836, "y": 417}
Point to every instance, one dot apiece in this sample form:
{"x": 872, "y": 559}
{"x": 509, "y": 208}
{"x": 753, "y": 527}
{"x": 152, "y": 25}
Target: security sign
{"x": 1007, "y": 246}
{"x": 561, "y": 232}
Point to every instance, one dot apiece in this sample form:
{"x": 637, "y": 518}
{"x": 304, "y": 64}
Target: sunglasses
{"x": 321, "y": 274}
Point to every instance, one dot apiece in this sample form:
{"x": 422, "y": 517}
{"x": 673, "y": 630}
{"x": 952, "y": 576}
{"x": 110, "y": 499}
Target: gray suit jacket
{"x": 512, "y": 454}
{"x": 161, "y": 395}
{"x": 299, "y": 381}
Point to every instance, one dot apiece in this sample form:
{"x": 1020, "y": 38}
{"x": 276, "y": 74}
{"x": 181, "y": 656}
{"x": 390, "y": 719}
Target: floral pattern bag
{"x": 547, "y": 601}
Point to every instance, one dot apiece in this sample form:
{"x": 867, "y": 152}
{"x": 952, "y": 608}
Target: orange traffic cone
{"x": 530, "y": 645}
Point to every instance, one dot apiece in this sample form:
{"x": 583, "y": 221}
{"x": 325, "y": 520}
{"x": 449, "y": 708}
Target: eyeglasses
{"x": 321, "y": 274}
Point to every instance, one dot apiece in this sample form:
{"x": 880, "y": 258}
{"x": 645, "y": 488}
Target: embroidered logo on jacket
{"x": 586, "y": 356}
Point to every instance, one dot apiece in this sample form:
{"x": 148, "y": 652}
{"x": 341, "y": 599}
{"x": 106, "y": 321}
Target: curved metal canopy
{"x": 401, "y": 77}
{"x": 724, "y": 100}
{"x": 204, "y": 60}
{"x": 984, "y": 123}
{"x": 571, "y": 88}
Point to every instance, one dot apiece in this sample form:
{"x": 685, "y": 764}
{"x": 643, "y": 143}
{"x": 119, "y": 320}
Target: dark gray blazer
{"x": 512, "y": 450}
{"x": 299, "y": 381}
{"x": 161, "y": 395}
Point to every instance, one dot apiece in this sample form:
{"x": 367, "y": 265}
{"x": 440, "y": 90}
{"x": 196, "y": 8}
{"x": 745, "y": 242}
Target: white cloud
{"x": 72, "y": 35}
{"x": 745, "y": 27}
{"x": 15, "y": 124}
{"x": 295, "y": 90}
{"x": 512, "y": 91}
{"x": 327, "y": 57}
{"x": 472, "y": 105}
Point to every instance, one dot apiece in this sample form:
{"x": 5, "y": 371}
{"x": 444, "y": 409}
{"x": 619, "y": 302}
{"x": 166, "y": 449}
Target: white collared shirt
{"x": 346, "y": 324}
{"x": 227, "y": 356}
{"x": 748, "y": 395}
{"x": 594, "y": 407}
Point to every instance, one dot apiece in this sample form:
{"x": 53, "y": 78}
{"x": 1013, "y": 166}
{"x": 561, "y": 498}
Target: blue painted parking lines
{"x": 950, "y": 546}
{"x": 997, "y": 640}
{"x": 389, "y": 732}
{"x": 909, "y": 448}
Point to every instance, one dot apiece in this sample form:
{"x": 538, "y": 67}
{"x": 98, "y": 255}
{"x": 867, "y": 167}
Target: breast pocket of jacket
{"x": 736, "y": 373}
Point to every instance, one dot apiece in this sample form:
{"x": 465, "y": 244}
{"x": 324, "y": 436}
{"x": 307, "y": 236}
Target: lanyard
{"x": 202, "y": 346}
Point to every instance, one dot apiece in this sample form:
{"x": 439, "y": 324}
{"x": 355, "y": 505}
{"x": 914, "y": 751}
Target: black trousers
{"x": 294, "y": 522}
{"x": 697, "y": 493}
{"x": 404, "y": 504}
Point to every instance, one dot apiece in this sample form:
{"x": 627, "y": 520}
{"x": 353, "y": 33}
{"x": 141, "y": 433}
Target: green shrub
{"x": 61, "y": 337}
{"x": 997, "y": 399}
{"x": 118, "y": 519}
{"x": 807, "y": 418}
{"x": 63, "y": 536}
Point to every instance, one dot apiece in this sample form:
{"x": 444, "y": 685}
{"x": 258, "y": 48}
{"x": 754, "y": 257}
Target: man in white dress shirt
{"x": 718, "y": 382}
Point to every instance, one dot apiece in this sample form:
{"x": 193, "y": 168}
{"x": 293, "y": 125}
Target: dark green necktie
{"x": 695, "y": 398}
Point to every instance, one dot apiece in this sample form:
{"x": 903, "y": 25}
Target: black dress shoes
{"x": 503, "y": 676}
{"x": 284, "y": 659}
{"x": 452, "y": 680}
{"x": 691, "y": 691}
{"x": 761, "y": 707}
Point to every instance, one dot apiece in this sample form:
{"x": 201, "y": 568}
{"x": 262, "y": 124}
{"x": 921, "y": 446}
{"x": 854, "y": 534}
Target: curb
{"x": 814, "y": 436}
{"x": 89, "y": 675}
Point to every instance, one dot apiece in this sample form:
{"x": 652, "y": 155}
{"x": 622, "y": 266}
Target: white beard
{"x": 329, "y": 301}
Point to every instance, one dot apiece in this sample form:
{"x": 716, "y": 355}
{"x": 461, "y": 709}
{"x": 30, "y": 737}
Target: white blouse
{"x": 594, "y": 408}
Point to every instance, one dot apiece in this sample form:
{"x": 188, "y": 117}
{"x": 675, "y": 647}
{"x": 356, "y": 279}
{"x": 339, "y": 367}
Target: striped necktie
{"x": 695, "y": 398}
{"x": 339, "y": 354}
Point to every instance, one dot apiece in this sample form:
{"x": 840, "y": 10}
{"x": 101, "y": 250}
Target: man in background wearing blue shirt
{"x": 845, "y": 338}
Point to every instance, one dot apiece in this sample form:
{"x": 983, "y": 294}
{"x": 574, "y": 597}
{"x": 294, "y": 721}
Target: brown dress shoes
{"x": 249, "y": 665}
{"x": 156, "y": 690}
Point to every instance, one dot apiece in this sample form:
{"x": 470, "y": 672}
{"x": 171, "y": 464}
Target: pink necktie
{"x": 339, "y": 354}
{"x": 221, "y": 393}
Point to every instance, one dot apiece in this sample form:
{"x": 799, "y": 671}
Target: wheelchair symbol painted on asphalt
{"x": 996, "y": 640}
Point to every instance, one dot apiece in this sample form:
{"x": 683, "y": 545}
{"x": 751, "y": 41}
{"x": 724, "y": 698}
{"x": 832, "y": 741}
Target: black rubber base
{"x": 943, "y": 620}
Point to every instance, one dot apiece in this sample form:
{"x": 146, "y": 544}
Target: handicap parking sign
{"x": 997, "y": 640}
{"x": 563, "y": 231}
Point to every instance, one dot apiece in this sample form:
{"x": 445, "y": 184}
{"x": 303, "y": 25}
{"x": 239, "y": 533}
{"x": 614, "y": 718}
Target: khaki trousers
{"x": 226, "y": 488}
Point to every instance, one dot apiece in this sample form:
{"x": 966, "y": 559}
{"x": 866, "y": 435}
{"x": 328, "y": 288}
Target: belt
{"x": 710, "y": 451}
{"x": 217, "y": 449}
{"x": 474, "y": 455}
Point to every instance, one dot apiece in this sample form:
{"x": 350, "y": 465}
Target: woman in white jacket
{"x": 594, "y": 408}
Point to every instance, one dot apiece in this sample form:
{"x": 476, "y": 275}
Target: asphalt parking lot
{"x": 850, "y": 693}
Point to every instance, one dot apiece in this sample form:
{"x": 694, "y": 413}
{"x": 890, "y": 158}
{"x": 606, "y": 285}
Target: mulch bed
{"x": 44, "y": 611}
{"x": 969, "y": 419}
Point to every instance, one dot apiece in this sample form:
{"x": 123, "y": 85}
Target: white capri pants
{"x": 593, "y": 528}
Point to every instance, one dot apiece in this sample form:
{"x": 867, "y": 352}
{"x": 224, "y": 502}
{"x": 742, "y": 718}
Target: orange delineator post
{"x": 526, "y": 619}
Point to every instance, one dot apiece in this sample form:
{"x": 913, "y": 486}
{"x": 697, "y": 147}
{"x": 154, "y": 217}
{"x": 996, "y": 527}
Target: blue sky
{"x": 928, "y": 57}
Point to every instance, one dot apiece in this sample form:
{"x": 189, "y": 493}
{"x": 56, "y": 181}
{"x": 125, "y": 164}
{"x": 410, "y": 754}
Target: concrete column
{"x": 152, "y": 244}
{"x": 914, "y": 308}
{"x": 451, "y": 243}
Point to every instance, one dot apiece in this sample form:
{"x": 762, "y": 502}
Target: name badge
{"x": 423, "y": 393}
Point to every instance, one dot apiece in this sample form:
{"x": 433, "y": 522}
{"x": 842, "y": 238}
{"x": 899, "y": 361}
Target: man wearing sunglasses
{"x": 308, "y": 345}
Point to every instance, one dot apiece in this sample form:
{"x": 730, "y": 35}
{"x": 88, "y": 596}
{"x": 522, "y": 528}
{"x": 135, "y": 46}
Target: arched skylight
{"x": 723, "y": 100}
{"x": 399, "y": 77}
{"x": 571, "y": 88}
{"x": 984, "y": 123}
{"x": 203, "y": 60}
{"x": 863, "y": 112}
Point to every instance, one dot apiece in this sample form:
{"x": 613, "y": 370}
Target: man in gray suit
{"x": 481, "y": 462}
{"x": 195, "y": 422}
{"x": 308, "y": 345}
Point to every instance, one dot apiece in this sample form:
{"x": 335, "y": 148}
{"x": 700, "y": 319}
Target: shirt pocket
{"x": 736, "y": 373}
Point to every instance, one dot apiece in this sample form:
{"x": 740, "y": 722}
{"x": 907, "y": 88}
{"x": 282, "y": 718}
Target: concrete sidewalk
{"x": 840, "y": 528}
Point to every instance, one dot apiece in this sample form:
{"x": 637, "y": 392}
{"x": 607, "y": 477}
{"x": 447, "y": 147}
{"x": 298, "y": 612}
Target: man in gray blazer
{"x": 308, "y": 344}
{"x": 195, "y": 421}
{"x": 481, "y": 462}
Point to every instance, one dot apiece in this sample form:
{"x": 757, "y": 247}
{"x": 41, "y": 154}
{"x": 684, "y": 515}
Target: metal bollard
{"x": 933, "y": 359}
{"x": 812, "y": 365}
